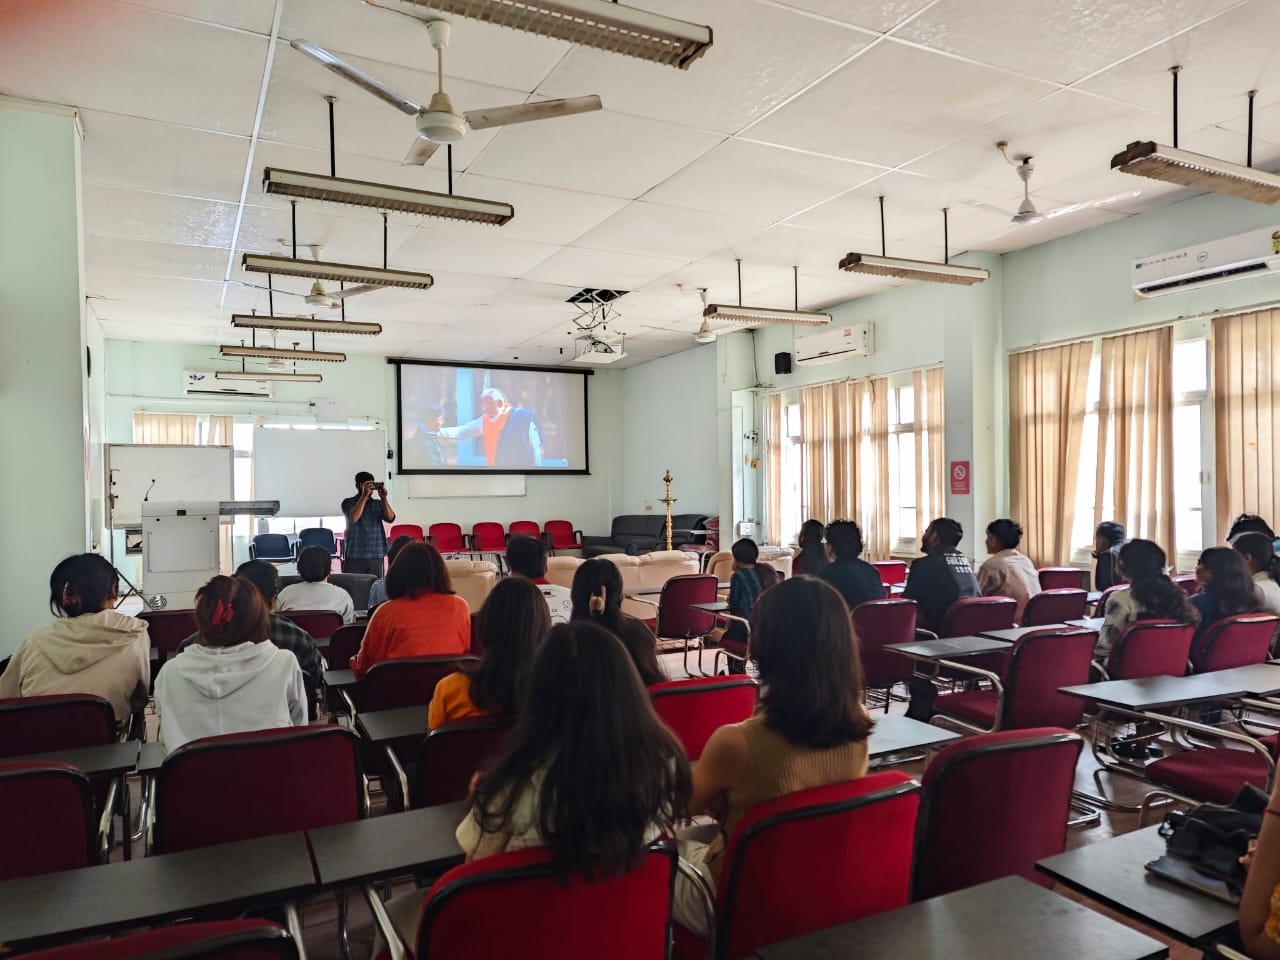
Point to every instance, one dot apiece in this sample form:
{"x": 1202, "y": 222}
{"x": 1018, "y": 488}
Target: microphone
{"x": 147, "y": 495}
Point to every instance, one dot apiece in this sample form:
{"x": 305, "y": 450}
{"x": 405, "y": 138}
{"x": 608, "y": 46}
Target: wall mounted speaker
{"x": 782, "y": 363}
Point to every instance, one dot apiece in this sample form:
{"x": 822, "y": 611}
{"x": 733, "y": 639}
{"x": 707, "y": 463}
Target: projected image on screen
{"x": 475, "y": 419}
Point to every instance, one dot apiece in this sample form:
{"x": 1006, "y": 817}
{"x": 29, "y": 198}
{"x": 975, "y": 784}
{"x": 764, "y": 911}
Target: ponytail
{"x": 81, "y": 584}
{"x": 230, "y": 611}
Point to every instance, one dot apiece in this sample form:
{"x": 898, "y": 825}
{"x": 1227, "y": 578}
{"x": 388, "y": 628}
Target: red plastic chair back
{"x": 58, "y": 722}
{"x": 218, "y": 940}
{"x": 1100, "y": 607}
{"x": 447, "y": 537}
{"x": 1039, "y": 664}
{"x": 513, "y": 905}
{"x": 399, "y": 530}
{"x": 562, "y": 535}
{"x": 974, "y": 615}
{"x": 1235, "y": 642}
{"x": 695, "y": 709}
{"x": 302, "y": 777}
{"x": 1150, "y": 648}
{"x": 1062, "y": 578}
{"x": 407, "y": 681}
{"x": 168, "y": 628}
{"x": 994, "y": 804}
{"x": 344, "y": 643}
{"x": 318, "y": 623}
{"x": 678, "y": 620}
{"x": 877, "y": 624}
{"x": 814, "y": 859}
{"x": 1187, "y": 582}
{"x": 48, "y": 814}
{"x": 525, "y": 528}
{"x": 1054, "y": 605}
{"x": 891, "y": 571}
{"x": 488, "y": 537}
{"x": 452, "y": 753}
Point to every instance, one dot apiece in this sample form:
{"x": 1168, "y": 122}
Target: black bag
{"x": 1213, "y": 838}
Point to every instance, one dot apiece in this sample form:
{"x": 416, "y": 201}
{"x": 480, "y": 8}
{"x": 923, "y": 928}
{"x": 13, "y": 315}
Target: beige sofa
{"x": 648, "y": 571}
{"x": 721, "y": 564}
{"x": 472, "y": 580}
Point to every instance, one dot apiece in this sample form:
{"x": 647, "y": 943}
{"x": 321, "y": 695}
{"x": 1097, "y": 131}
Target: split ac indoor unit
{"x": 831, "y": 345}
{"x": 1252, "y": 254}
{"x": 203, "y": 383}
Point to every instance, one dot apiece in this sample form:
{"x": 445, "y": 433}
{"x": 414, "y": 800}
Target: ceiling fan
{"x": 1027, "y": 212}
{"x": 438, "y": 122}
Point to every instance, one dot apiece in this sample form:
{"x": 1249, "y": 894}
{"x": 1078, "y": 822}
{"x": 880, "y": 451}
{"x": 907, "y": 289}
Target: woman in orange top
{"x": 422, "y": 617}
{"x": 511, "y": 624}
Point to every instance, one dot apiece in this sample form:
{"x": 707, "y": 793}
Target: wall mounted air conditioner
{"x": 831, "y": 345}
{"x": 202, "y": 383}
{"x": 1252, "y": 254}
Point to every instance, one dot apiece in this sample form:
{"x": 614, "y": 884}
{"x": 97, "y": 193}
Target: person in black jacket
{"x": 856, "y": 579}
{"x": 1107, "y": 541}
{"x": 942, "y": 576}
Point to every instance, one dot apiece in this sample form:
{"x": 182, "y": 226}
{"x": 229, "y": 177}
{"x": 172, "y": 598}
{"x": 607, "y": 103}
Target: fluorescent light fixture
{"x": 304, "y": 324}
{"x": 268, "y": 375}
{"x": 758, "y": 316}
{"x": 1158, "y": 162}
{"x": 275, "y": 353}
{"x": 339, "y": 272}
{"x": 902, "y": 269}
{"x": 382, "y": 196}
{"x": 592, "y": 23}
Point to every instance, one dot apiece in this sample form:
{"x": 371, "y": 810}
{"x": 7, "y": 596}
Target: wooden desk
{"x": 384, "y": 726}
{"x": 1007, "y": 919}
{"x": 897, "y": 734}
{"x": 1088, "y": 623}
{"x": 1256, "y": 679}
{"x": 1014, "y": 634}
{"x": 104, "y": 759}
{"x": 394, "y": 845}
{"x": 948, "y": 647}
{"x": 336, "y": 679}
{"x": 73, "y": 903}
{"x": 1112, "y": 872}
{"x": 1156, "y": 693}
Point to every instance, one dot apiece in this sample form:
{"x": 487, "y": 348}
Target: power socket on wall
{"x": 648, "y": 506}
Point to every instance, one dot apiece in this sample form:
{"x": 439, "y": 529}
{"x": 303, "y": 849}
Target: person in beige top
{"x": 809, "y": 730}
{"x": 89, "y": 648}
{"x": 1007, "y": 573}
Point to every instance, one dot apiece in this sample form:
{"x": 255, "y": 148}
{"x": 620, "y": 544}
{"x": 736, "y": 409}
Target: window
{"x": 902, "y": 466}
{"x": 792, "y": 507}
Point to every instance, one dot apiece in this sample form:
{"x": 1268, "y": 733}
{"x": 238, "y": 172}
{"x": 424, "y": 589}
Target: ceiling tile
{"x": 542, "y": 213}
{"x": 530, "y": 293}
{"x": 110, "y": 212}
{"x": 1018, "y": 237}
{"x": 769, "y": 255}
{"x": 878, "y": 15}
{"x": 576, "y": 267}
{"x": 820, "y": 293}
{"x": 150, "y": 259}
{"x": 885, "y": 106}
{"x": 718, "y": 273}
{"x": 251, "y": 15}
{"x": 347, "y": 234}
{"x": 651, "y": 229}
{"x": 431, "y": 248}
{"x": 353, "y": 166}
{"x": 174, "y": 295}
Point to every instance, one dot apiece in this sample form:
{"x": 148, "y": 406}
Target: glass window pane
{"x": 1190, "y": 366}
{"x": 1086, "y": 483}
{"x": 1093, "y": 392}
{"x": 906, "y": 404}
{"x": 1186, "y": 477}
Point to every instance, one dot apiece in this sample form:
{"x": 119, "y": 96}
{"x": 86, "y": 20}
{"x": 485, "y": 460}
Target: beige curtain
{"x": 1135, "y": 435}
{"x": 1048, "y": 399}
{"x": 928, "y": 426}
{"x": 219, "y": 434}
{"x": 164, "y": 428}
{"x": 874, "y": 515}
{"x": 1246, "y": 410}
{"x": 773, "y": 440}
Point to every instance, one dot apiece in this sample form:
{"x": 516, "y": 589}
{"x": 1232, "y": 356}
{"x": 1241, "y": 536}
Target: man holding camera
{"x": 366, "y": 544}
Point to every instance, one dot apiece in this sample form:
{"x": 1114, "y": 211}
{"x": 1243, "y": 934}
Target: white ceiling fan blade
{"x": 979, "y": 205}
{"x": 354, "y": 291}
{"x": 1092, "y": 204}
{"x": 524, "y": 112}
{"x": 421, "y": 151}
{"x": 358, "y": 77}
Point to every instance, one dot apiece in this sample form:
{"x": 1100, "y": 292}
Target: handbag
{"x": 1212, "y": 837}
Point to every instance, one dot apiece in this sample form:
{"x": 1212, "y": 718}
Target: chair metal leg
{"x": 344, "y": 942}
{"x": 1088, "y": 814}
{"x": 294, "y": 926}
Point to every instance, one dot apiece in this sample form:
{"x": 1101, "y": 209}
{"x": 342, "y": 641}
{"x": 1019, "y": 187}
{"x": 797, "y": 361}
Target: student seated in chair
{"x": 1107, "y": 541}
{"x": 855, "y": 579}
{"x": 1007, "y": 572}
{"x": 233, "y": 679}
{"x": 1226, "y": 588}
{"x": 812, "y": 558}
{"x": 527, "y": 557}
{"x": 942, "y": 576}
{"x": 89, "y": 648}
{"x": 378, "y": 589}
{"x": 1264, "y": 568}
{"x": 750, "y": 578}
{"x": 597, "y": 597}
{"x": 315, "y": 592}
{"x": 1151, "y": 595}
{"x": 510, "y": 626}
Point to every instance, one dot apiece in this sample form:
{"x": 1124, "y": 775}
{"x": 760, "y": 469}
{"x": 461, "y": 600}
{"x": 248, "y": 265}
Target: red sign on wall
{"x": 960, "y": 477}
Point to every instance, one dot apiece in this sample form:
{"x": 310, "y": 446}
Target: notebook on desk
{"x": 1185, "y": 875}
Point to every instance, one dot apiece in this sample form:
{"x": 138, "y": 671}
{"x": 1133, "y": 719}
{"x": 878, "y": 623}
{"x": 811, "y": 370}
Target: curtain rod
{"x": 765, "y": 391}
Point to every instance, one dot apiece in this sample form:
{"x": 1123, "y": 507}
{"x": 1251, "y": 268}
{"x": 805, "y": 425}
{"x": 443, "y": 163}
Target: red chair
{"x": 1027, "y": 697}
{"x": 994, "y": 804}
{"x": 220, "y": 940}
{"x": 49, "y": 821}
{"x": 167, "y": 629}
{"x": 344, "y": 643}
{"x": 452, "y": 753}
{"x": 64, "y": 721}
{"x": 891, "y": 571}
{"x": 1150, "y": 648}
{"x": 447, "y": 538}
{"x": 1100, "y": 607}
{"x": 525, "y": 528}
{"x": 1054, "y": 605}
{"x": 877, "y": 624}
{"x": 514, "y": 905}
{"x": 1235, "y": 642}
{"x": 199, "y": 791}
{"x": 696, "y": 708}
{"x": 399, "y": 530}
{"x": 560, "y": 535}
{"x": 811, "y": 860}
{"x": 710, "y": 544}
{"x": 407, "y": 681}
{"x": 1187, "y": 582}
{"x": 974, "y": 615}
{"x": 318, "y": 623}
{"x": 1062, "y": 578}
{"x": 488, "y": 537}
{"x": 679, "y": 625}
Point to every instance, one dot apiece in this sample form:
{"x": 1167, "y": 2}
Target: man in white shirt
{"x": 1007, "y": 573}
{"x": 315, "y": 592}
{"x": 527, "y": 557}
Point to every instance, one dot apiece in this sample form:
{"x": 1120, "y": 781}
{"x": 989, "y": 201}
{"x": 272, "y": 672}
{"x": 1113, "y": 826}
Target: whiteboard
{"x": 180, "y": 473}
{"x": 312, "y": 471}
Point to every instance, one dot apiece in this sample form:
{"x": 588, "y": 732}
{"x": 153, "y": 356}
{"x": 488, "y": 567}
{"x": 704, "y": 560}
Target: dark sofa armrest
{"x": 597, "y": 541}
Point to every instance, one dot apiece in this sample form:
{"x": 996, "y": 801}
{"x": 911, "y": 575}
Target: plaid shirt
{"x": 366, "y": 538}
{"x": 287, "y": 635}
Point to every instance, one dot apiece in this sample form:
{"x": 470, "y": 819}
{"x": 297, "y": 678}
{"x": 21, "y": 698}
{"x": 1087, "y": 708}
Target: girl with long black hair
{"x": 1151, "y": 594}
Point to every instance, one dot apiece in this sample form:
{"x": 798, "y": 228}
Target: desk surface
{"x": 1089, "y": 623}
{"x": 340, "y": 678}
{"x": 1008, "y": 918}
{"x": 269, "y": 870}
{"x": 152, "y": 758}
{"x": 894, "y": 734}
{"x": 388, "y": 846}
{"x": 1155, "y": 693}
{"x": 719, "y": 606}
{"x": 380, "y": 726}
{"x": 1093, "y": 596}
{"x": 104, "y": 758}
{"x": 1017, "y": 633}
{"x": 949, "y": 647}
{"x": 656, "y": 591}
{"x": 1257, "y": 679}
{"x": 1113, "y": 872}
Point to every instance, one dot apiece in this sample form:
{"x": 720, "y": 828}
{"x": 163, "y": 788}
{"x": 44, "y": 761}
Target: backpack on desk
{"x": 1213, "y": 838}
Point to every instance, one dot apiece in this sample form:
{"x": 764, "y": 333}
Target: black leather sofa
{"x": 636, "y": 533}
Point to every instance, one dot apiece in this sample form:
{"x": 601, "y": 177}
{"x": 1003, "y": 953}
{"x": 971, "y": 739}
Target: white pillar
{"x": 43, "y": 398}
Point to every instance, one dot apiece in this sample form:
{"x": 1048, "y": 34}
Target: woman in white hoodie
{"x": 232, "y": 679}
{"x": 90, "y": 648}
